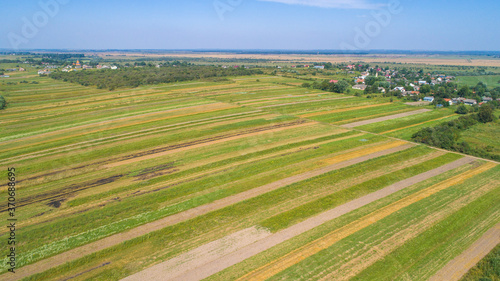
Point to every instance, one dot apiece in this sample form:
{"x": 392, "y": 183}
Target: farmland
{"x": 136, "y": 182}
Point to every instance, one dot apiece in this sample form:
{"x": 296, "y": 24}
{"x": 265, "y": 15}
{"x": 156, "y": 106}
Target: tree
{"x": 462, "y": 109}
{"x": 341, "y": 86}
{"x": 485, "y": 114}
{"x": 425, "y": 89}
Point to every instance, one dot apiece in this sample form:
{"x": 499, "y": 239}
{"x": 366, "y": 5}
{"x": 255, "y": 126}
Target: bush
{"x": 462, "y": 109}
{"x": 485, "y": 114}
{"x": 3, "y": 103}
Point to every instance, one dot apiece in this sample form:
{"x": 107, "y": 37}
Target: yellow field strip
{"x": 327, "y": 241}
{"x": 342, "y": 110}
{"x": 369, "y": 116}
{"x": 264, "y": 100}
{"x": 363, "y": 152}
{"x": 414, "y": 125}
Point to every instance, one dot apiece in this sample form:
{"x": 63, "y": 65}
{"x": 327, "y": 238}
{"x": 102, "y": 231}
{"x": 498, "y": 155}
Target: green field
{"x": 93, "y": 164}
{"x": 491, "y": 81}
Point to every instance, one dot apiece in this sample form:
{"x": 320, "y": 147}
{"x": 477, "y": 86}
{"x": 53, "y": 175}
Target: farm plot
{"x": 394, "y": 125}
{"x": 114, "y": 182}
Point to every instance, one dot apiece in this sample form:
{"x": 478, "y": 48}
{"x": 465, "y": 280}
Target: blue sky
{"x": 251, "y": 24}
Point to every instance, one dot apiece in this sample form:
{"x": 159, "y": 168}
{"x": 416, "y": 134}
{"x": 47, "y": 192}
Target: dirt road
{"x": 460, "y": 265}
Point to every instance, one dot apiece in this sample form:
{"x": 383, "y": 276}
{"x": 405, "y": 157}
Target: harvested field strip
{"x": 135, "y": 135}
{"x": 300, "y": 102}
{"x": 127, "y": 125}
{"x": 196, "y": 144}
{"x": 186, "y": 215}
{"x": 380, "y": 119}
{"x": 341, "y": 110}
{"x": 177, "y": 266}
{"x": 327, "y": 241}
{"x": 363, "y": 152}
{"x": 418, "y": 124}
{"x": 264, "y": 100}
{"x": 350, "y": 120}
{"x": 406, "y": 134}
{"x": 460, "y": 265}
{"x": 295, "y": 230}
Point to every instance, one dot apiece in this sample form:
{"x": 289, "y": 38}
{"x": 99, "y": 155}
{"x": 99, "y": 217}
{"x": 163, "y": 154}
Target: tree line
{"x": 136, "y": 76}
{"x": 447, "y": 135}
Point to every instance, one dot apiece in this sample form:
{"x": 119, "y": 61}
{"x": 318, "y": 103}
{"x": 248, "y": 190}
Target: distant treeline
{"x": 134, "y": 77}
{"x": 446, "y": 135}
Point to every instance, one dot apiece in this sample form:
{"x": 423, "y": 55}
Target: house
{"x": 422, "y": 82}
{"x": 381, "y": 89}
{"x": 470, "y": 102}
{"x": 4, "y": 76}
{"x": 360, "y": 81}
{"x": 22, "y": 69}
{"x": 78, "y": 65}
{"x": 487, "y": 99}
{"x": 319, "y": 66}
{"x": 429, "y": 99}
{"x": 401, "y": 89}
{"x": 359, "y": 87}
{"x": 44, "y": 72}
{"x": 114, "y": 67}
{"x": 449, "y": 101}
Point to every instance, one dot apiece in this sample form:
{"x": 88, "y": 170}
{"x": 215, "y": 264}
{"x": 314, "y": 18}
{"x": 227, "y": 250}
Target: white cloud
{"x": 339, "y": 4}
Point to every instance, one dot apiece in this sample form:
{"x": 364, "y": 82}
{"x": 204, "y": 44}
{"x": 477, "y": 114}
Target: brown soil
{"x": 385, "y": 118}
{"x": 460, "y": 265}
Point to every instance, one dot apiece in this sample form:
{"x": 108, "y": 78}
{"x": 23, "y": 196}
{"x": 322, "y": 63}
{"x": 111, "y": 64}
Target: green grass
{"x": 488, "y": 269}
{"x": 420, "y": 257}
{"x": 484, "y": 136}
{"x": 389, "y": 125}
{"x": 492, "y": 81}
{"x": 333, "y": 200}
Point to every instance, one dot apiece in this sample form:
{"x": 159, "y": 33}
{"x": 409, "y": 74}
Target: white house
{"x": 429, "y": 99}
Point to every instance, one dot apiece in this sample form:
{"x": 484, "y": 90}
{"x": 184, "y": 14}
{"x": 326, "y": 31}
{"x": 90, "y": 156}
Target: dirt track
{"x": 460, "y": 265}
{"x": 116, "y": 239}
{"x": 385, "y": 118}
{"x": 212, "y": 267}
